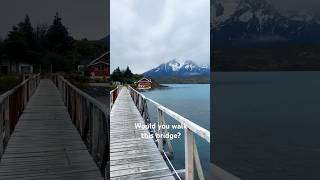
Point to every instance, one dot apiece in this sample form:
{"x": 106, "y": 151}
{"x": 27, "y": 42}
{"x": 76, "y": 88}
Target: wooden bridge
{"x": 139, "y": 158}
{"x": 129, "y": 107}
{"x": 133, "y": 157}
{"x": 49, "y": 129}
{"x": 53, "y": 136}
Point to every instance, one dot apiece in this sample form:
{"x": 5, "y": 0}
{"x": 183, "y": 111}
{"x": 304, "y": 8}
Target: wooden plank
{"x": 45, "y": 143}
{"x": 133, "y": 157}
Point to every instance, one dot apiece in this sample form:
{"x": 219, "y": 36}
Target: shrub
{"x": 8, "y": 82}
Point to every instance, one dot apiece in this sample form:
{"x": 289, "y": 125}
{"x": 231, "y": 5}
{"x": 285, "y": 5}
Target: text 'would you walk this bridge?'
{"x": 149, "y": 158}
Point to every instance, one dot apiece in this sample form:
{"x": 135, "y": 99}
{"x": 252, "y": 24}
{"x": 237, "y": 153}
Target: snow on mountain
{"x": 174, "y": 68}
{"x": 174, "y": 65}
{"x": 252, "y": 21}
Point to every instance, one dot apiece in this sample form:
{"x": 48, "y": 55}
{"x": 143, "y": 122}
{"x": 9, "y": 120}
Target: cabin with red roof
{"x": 144, "y": 83}
{"x": 100, "y": 67}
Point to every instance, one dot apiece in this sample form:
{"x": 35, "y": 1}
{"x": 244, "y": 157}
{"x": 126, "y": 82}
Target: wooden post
{"x": 92, "y": 129}
{"x": 189, "y": 154}
{"x": 198, "y": 162}
{"x": 6, "y": 120}
{"x": 160, "y": 132}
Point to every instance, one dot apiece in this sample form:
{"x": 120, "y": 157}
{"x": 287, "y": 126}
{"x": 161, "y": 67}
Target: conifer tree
{"x": 58, "y": 37}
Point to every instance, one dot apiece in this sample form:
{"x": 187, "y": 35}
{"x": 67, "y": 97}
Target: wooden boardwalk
{"x": 132, "y": 157}
{"x": 45, "y": 143}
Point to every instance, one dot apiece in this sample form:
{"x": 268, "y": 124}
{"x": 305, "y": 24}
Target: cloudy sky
{"x": 146, "y": 33}
{"x": 84, "y": 18}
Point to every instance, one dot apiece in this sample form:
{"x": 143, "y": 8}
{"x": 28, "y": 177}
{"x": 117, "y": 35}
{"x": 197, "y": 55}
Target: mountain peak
{"x": 174, "y": 68}
{"x": 246, "y": 22}
{"x": 173, "y": 65}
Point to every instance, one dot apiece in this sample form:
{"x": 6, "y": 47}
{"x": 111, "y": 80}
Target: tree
{"x": 19, "y": 46}
{"x": 59, "y": 46}
{"x": 58, "y": 37}
{"x": 88, "y": 50}
{"x": 116, "y": 75}
{"x": 48, "y": 45}
{"x": 127, "y": 73}
{"x": 40, "y": 36}
{"x": 27, "y": 31}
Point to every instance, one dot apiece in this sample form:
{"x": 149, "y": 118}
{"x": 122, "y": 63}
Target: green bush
{"x": 8, "y": 82}
{"x": 78, "y": 80}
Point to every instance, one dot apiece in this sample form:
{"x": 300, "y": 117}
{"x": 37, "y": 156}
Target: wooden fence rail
{"x": 91, "y": 118}
{"x": 12, "y": 104}
{"x": 113, "y": 95}
{"x": 191, "y": 152}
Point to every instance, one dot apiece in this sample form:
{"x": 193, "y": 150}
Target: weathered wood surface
{"x": 132, "y": 157}
{"x": 45, "y": 144}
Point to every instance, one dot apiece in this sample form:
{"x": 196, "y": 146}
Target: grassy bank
{"x": 7, "y": 82}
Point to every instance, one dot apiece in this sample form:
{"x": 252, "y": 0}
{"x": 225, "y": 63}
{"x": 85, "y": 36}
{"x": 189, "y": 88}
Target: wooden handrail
{"x": 202, "y": 132}
{"x": 12, "y": 104}
{"x": 191, "y": 152}
{"x": 113, "y": 95}
{"x": 91, "y": 118}
{"x": 11, "y": 91}
{"x": 97, "y": 103}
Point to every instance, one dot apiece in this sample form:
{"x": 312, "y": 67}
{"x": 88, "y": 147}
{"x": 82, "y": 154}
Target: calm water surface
{"x": 193, "y": 102}
{"x": 266, "y": 125}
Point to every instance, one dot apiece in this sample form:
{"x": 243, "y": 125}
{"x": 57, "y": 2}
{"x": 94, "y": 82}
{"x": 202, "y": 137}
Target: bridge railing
{"x": 192, "y": 160}
{"x": 91, "y": 118}
{"x": 12, "y": 104}
{"x": 113, "y": 95}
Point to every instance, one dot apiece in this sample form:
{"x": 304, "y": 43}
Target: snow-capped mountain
{"x": 174, "y": 68}
{"x": 254, "y": 21}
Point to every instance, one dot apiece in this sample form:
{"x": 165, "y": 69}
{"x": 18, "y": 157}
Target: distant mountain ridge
{"x": 174, "y": 68}
{"x": 239, "y": 22}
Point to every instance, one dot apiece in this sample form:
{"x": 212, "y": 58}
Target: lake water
{"x": 193, "y": 102}
{"x": 266, "y": 125}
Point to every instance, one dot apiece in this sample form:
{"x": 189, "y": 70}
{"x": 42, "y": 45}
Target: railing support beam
{"x": 160, "y": 123}
{"x": 189, "y": 154}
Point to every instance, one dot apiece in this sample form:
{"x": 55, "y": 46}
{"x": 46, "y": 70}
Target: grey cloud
{"x": 146, "y": 33}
